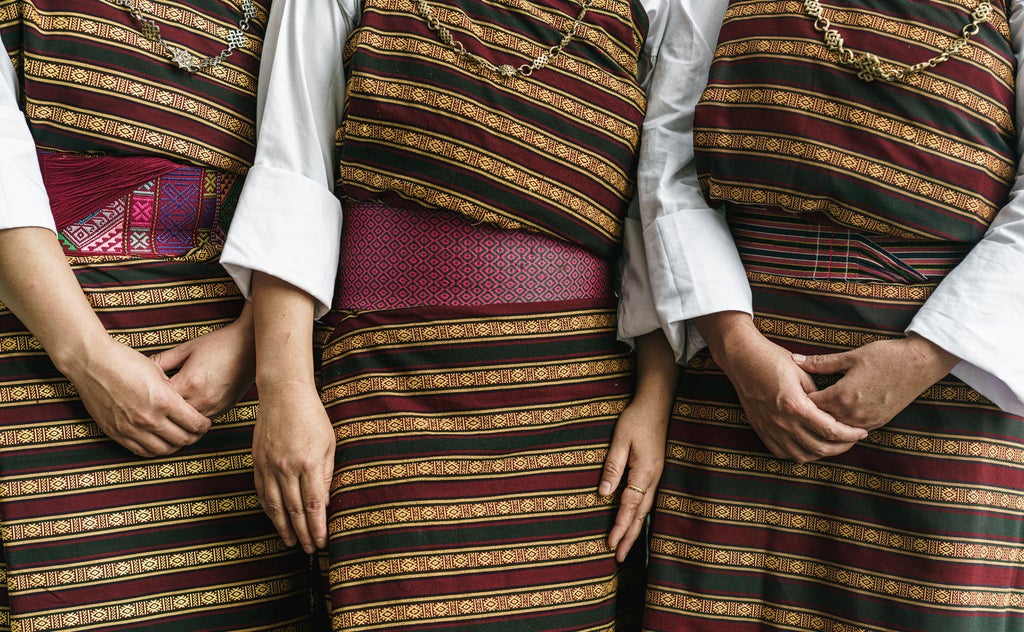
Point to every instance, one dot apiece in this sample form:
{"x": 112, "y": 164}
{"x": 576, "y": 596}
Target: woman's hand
{"x": 879, "y": 379}
{"x": 293, "y": 441}
{"x": 214, "y": 370}
{"x": 124, "y": 391}
{"x": 637, "y": 451}
{"x": 132, "y": 401}
{"x": 774, "y": 391}
{"x": 293, "y": 456}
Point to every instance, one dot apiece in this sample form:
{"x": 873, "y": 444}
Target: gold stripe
{"x": 467, "y": 330}
{"x": 453, "y": 469}
{"x": 723, "y": 609}
{"x": 152, "y": 606}
{"x": 475, "y": 605}
{"x": 442, "y": 563}
{"x": 70, "y": 527}
{"x": 131, "y": 134}
{"x": 51, "y": 579}
{"x": 918, "y": 134}
{"x": 868, "y": 535}
{"x": 137, "y": 90}
{"x": 910, "y": 490}
{"x": 495, "y": 508}
{"x": 480, "y": 422}
{"x": 909, "y": 31}
{"x": 861, "y": 292}
{"x": 418, "y": 143}
{"x": 852, "y": 578}
{"x": 142, "y": 473}
{"x": 488, "y": 378}
{"x": 24, "y": 436}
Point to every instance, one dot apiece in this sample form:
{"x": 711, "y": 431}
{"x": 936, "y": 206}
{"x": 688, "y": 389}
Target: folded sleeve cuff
{"x": 695, "y": 270}
{"x": 23, "y": 199}
{"x": 984, "y": 333}
{"x": 296, "y": 239}
{"x": 637, "y": 313}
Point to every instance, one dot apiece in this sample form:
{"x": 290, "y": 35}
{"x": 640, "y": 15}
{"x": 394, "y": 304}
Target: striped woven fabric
{"x": 92, "y": 83}
{"x": 94, "y": 538}
{"x": 849, "y": 202}
{"x": 471, "y": 437}
{"x": 470, "y": 444}
{"x": 554, "y": 152}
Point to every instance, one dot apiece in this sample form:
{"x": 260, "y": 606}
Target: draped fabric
{"x": 473, "y": 403}
{"x": 92, "y": 83}
{"x": 849, "y": 202}
{"x": 554, "y": 153}
{"x": 93, "y": 537}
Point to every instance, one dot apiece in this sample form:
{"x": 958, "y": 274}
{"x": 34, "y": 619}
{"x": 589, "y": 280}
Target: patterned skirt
{"x": 471, "y": 434}
{"x": 918, "y": 528}
{"x": 95, "y": 538}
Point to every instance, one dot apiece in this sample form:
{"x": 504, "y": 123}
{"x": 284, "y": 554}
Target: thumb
{"x": 824, "y": 364}
{"x": 171, "y": 359}
{"x": 614, "y": 467}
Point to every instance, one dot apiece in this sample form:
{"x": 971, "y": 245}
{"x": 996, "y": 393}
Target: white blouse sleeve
{"x": 692, "y": 264}
{"x": 977, "y": 312}
{"x": 23, "y": 199}
{"x": 288, "y": 220}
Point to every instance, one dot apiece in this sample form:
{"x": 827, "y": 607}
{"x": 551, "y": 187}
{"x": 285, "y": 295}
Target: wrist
{"x": 933, "y": 358}
{"x": 729, "y": 336}
{"x": 77, "y": 352}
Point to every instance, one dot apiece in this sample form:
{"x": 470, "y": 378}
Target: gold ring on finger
{"x": 636, "y": 488}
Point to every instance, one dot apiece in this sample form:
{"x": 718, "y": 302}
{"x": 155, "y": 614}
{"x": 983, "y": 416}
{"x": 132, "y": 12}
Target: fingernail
{"x": 605, "y": 489}
{"x": 799, "y": 357}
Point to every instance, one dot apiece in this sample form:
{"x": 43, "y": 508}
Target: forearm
{"x": 727, "y": 335}
{"x": 656, "y": 372}
{"x": 39, "y": 287}
{"x": 283, "y": 322}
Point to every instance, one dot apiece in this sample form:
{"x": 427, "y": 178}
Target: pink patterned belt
{"x": 398, "y": 258}
{"x": 136, "y": 206}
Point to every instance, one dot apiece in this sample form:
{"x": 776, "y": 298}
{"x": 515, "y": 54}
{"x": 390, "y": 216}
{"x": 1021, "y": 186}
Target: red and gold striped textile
{"x": 849, "y": 202}
{"x": 553, "y": 153}
{"x": 472, "y": 422}
{"x": 92, "y": 83}
{"x": 95, "y": 538}
{"x": 471, "y": 435}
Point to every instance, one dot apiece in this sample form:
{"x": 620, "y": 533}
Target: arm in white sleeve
{"x": 288, "y": 220}
{"x": 693, "y": 266}
{"x": 977, "y": 312}
{"x": 23, "y": 199}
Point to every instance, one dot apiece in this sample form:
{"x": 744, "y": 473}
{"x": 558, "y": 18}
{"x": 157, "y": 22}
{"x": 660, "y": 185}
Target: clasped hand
{"x": 138, "y": 406}
{"x": 797, "y": 421}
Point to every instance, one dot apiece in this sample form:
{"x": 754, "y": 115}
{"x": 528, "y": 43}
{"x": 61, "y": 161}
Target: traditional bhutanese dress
{"x": 849, "y": 203}
{"x": 93, "y": 537}
{"x": 469, "y": 362}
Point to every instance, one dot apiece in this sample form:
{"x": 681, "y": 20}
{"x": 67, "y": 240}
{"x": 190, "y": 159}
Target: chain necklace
{"x": 869, "y": 67}
{"x": 504, "y": 71}
{"x": 187, "y": 61}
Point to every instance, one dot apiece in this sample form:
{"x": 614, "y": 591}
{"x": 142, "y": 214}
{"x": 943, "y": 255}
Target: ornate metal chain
{"x": 504, "y": 71}
{"x": 186, "y": 60}
{"x": 869, "y": 67}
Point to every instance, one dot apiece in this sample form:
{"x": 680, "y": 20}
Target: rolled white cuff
{"x": 297, "y": 239}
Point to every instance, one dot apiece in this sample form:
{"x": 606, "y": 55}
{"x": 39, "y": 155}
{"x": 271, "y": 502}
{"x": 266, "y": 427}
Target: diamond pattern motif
{"x": 166, "y": 217}
{"x": 397, "y": 258}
